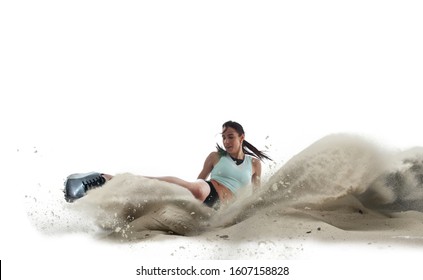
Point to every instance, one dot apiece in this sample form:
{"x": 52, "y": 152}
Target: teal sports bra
{"x": 232, "y": 176}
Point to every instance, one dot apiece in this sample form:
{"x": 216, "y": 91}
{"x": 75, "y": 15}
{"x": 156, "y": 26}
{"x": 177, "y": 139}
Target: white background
{"x": 144, "y": 86}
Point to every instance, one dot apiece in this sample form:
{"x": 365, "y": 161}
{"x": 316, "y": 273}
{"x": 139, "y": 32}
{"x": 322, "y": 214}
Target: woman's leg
{"x": 107, "y": 176}
{"x": 200, "y": 189}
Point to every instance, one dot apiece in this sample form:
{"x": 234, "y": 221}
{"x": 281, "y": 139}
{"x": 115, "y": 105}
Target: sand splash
{"x": 340, "y": 187}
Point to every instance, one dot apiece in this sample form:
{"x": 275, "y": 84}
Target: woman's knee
{"x": 200, "y": 189}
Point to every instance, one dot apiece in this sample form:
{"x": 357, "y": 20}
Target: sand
{"x": 337, "y": 191}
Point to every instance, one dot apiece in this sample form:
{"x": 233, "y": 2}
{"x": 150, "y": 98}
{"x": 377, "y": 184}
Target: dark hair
{"x": 247, "y": 148}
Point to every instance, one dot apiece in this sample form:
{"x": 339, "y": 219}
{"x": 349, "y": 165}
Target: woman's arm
{"x": 209, "y": 163}
{"x": 256, "y": 178}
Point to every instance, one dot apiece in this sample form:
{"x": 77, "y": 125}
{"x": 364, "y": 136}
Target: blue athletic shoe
{"x": 77, "y": 185}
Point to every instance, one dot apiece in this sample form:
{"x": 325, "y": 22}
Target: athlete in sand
{"x": 231, "y": 168}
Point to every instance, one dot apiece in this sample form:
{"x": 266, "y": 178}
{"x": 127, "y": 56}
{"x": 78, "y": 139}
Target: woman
{"x": 230, "y": 168}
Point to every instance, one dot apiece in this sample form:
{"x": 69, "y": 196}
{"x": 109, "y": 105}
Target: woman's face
{"x": 232, "y": 141}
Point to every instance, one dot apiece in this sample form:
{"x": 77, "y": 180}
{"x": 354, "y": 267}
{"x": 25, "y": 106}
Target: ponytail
{"x": 249, "y": 149}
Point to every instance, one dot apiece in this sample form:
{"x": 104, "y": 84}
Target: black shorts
{"x": 213, "y": 198}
